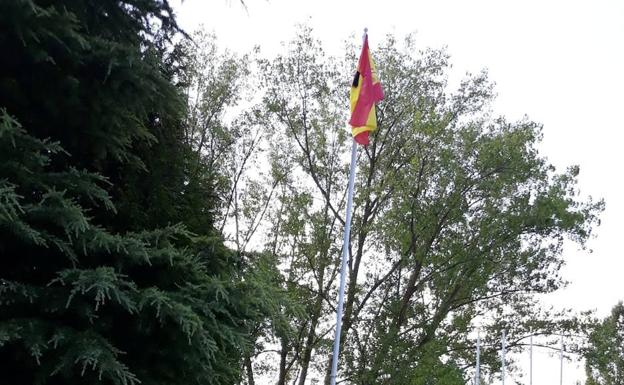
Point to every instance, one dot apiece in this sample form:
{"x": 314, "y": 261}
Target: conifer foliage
{"x": 110, "y": 270}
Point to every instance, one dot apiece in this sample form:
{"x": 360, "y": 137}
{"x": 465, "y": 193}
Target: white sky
{"x": 559, "y": 62}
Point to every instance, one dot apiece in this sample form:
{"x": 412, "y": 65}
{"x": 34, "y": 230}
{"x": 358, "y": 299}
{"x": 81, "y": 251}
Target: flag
{"x": 365, "y": 92}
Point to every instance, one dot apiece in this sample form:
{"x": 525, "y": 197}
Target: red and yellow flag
{"x": 365, "y": 92}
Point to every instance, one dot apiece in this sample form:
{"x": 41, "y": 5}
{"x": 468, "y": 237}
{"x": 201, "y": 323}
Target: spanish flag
{"x": 365, "y": 92}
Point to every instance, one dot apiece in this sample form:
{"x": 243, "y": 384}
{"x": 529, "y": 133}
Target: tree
{"x": 604, "y": 356}
{"x": 111, "y": 269}
{"x": 224, "y": 138}
{"x": 458, "y": 220}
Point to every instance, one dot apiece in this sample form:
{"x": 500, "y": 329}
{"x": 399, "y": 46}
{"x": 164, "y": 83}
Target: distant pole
{"x": 561, "y": 362}
{"x": 503, "y": 356}
{"x": 531, "y": 361}
{"x": 478, "y": 374}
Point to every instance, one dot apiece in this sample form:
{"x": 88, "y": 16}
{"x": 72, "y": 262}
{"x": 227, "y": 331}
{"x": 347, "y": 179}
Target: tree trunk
{"x": 307, "y": 353}
{"x": 249, "y": 370}
{"x": 282, "y": 366}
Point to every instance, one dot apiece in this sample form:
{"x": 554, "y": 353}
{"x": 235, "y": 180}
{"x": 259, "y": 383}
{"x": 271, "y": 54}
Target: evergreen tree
{"x": 98, "y": 284}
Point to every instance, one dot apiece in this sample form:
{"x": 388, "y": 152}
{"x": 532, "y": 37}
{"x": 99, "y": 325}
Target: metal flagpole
{"x": 561, "y": 362}
{"x": 343, "y": 267}
{"x": 503, "y": 356}
{"x": 477, "y": 374}
{"x": 531, "y": 361}
{"x": 343, "y": 261}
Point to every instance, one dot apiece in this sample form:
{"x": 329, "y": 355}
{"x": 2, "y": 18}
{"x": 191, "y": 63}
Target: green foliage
{"x": 458, "y": 219}
{"x": 90, "y": 71}
{"x": 81, "y": 303}
{"x": 431, "y": 370}
{"x": 604, "y": 356}
{"x": 111, "y": 270}
{"x": 120, "y": 154}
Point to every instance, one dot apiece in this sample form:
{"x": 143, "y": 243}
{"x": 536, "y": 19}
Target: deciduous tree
{"x": 458, "y": 220}
{"x": 604, "y": 356}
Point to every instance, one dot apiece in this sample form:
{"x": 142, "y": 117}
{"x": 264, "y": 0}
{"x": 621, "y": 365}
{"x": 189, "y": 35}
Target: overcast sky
{"x": 559, "y": 62}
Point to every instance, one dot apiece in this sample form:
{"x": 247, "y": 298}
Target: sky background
{"x": 561, "y": 63}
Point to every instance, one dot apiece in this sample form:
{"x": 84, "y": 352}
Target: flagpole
{"x": 478, "y": 374}
{"x": 343, "y": 267}
{"x": 345, "y": 253}
{"x": 561, "y": 362}
{"x": 531, "y": 361}
{"x": 503, "y": 356}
